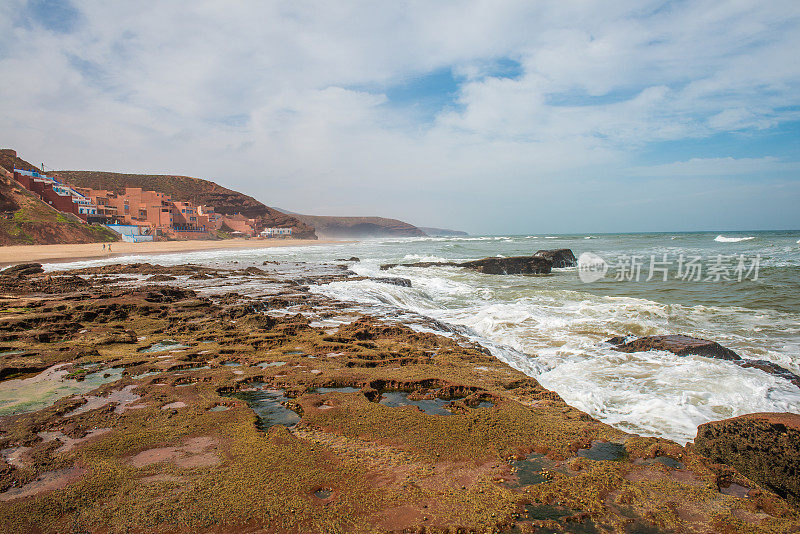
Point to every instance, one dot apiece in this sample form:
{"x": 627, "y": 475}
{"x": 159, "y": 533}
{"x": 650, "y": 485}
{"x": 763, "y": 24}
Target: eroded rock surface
{"x": 392, "y": 430}
{"x": 763, "y": 446}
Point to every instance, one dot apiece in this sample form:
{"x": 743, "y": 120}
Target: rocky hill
{"x": 27, "y": 220}
{"x": 359, "y": 227}
{"x": 196, "y": 190}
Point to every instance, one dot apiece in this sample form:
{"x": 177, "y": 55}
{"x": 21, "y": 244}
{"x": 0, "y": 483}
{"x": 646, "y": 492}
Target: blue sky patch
{"x": 58, "y": 16}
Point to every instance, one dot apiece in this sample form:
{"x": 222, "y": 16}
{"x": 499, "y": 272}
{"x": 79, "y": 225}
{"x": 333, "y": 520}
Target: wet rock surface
{"x": 535, "y": 264}
{"x": 677, "y": 344}
{"x": 685, "y": 345}
{"x": 562, "y": 257}
{"x": 764, "y": 447}
{"x": 228, "y": 400}
{"x": 395, "y": 281}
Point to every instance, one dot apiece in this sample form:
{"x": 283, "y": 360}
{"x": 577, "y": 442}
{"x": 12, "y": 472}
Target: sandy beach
{"x": 51, "y": 253}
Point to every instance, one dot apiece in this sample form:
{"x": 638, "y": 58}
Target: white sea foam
{"x": 558, "y": 337}
{"x": 423, "y": 258}
{"x": 724, "y": 239}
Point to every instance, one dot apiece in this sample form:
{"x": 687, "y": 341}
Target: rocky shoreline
{"x": 183, "y": 399}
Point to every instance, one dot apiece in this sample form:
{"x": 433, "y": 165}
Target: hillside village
{"x": 137, "y": 214}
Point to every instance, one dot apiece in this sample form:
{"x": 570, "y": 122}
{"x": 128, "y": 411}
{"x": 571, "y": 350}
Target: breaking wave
{"x": 723, "y": 239}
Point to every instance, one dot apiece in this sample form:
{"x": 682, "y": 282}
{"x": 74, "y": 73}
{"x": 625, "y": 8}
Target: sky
{"x": 498, "y": 116}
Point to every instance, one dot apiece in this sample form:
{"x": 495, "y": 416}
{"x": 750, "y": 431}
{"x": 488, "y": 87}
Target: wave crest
{"x": 724, "y": 239}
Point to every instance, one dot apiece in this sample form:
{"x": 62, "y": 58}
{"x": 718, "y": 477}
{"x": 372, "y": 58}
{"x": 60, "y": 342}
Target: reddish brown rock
{"x": 23, "y": 269}
{"x": 764, "y": 447}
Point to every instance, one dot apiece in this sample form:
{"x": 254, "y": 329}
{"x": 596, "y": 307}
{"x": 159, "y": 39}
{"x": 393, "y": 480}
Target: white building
{"x": 276, "y": 232}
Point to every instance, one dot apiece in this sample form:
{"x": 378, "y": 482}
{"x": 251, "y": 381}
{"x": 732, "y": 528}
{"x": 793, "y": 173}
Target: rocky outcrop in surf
{"x": 686, "y": 345}
{"x": 561, "y": 257}
{"x": 677, "y": 344}
{"x": 540, "y": 263}
{"x": 764, "y": 447}
{"x": 395, "y": 281}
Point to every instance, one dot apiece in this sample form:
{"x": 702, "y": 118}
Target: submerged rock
{"x": 771, "y": 368}
{"x": 23, "y": 269}
{"x": 402, "y": 282}
{"x": 764, "y": 447}
{"x": 561, "y": 257}
{"x": 515, "y": 265}
{"x": 677, "y": 344}
{"x": 540, "y": 263}
{"x": 685, "y": 345}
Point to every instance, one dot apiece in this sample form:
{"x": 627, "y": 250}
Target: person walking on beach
{"x": 109, "y": 247}
{"x": 104, "y": 247}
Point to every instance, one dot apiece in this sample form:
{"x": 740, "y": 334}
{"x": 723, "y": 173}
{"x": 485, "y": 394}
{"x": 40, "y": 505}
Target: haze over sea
{"x": 555, "y": 327}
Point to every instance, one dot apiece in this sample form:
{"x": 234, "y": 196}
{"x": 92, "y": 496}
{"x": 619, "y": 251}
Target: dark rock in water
{"x": 161, "y": 278}
{"x": 514, "y": 265}
{"x": 23, "y": 269}
{"x": 678, "y": 344}
{"x": 561, "y": 257}
{"x": 684, "y": 345}
{"x": 540, "y": 263}
{"x": 771, "y": 368}
{"x": 386, "y": 266}
{"x": 764, "y": 447}
{"x": 402, "y": 282}
{"x": 354, "y": 258}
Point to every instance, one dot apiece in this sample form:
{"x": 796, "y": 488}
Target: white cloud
{"x": 263, "y": 96}
{"x": 719, "y": 167}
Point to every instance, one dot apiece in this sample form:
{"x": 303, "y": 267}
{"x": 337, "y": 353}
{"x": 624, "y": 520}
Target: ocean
{"x": 741, "y": 289}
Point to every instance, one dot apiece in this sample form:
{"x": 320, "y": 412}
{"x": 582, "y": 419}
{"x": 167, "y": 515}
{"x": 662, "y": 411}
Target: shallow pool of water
{"x": 23, "y": 395}
{"x": 161, "y": 346}
{"x": 396, "y": 399}
{"x": 267, "y": 404}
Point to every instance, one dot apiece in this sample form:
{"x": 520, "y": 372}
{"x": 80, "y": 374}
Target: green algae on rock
{"x": 190, "y": 452}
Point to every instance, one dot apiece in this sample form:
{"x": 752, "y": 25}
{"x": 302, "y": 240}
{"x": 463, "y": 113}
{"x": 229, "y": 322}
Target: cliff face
{"x": 34, "y": 222}
{"x": 196, "y": 190}
{"x": 356, "y": 227}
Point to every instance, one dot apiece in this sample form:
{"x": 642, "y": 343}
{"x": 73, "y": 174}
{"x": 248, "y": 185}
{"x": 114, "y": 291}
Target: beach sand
{"x": 51, "y": 253}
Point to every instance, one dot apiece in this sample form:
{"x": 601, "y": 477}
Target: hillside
{"x": 359, "y": 227}
{"x": 188, "y": 189}
{"x": 34, "y": 222}
{"x": 441, "y": 232}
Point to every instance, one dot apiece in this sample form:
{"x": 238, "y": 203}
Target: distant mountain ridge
{"x": 333, "y": 226}
{"x": 356, "y": 227}
{"x": 196, "y": 190}
{"x": 441, "y": 232}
